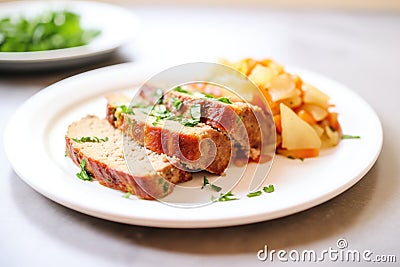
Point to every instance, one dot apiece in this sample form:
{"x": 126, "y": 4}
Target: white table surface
{"x": 359, "y": 49}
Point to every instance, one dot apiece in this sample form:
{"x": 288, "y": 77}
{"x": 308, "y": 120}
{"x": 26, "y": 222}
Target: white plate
{"x": 34, "y": 142}
{"x": 117, "y": 25}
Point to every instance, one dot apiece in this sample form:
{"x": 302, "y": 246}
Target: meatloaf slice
{"x": 225, "y": 116}
{"x": 198, "y": 148}
{"x": 105, "y": 160}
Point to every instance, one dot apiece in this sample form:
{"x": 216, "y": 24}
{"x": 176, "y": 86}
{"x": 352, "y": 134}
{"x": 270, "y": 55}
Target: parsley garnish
{"x": 269, "y": 189}
{"x": 291, "y": 157}
{"x": 181, "y": 90}
{"x": 195, "y": 113}
{"x": 83, "y": 174}
{"x": 208, "y": 95}
{"x": 127, "y": 110}
{"x": 176, "y": 103}
{"x": 126, "y": 195}
{"x": 346, "y": 136}
{"x": 213, "y": 186}
{"x": 224, "y": 100}
{"x": 91, "y": 139}
{"x": 165, "y": 187}
{"x": 227, "y": 197}
{"x": 254, "y": 194}
{"x": 189, "y": 122}
{"x": 266, "y": 189}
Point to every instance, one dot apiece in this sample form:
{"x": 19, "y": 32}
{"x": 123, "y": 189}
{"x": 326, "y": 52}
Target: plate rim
{"x": 166, "y": 223}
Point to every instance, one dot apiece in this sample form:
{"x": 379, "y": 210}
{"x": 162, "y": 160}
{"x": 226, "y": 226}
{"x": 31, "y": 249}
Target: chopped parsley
{"x": 90, "y": 139}
{"x": 269, "y": 189}
{"x": 291, "y": 157}
{"x": 165, "y": 187}
{"x": 266, "y": 189}
{"x": 227, "y": 197}
{"x": 180, "y": 90}
{"x": 195, "y": 113}
{"x": 224, "y": 100}
{"x": 154, "y": 123}
{"x": 127, "y": 110}
{"x": 83, "y": 174}
{"x": 347, "y": 136}
{"x": 176, "y": 103}
{"x": 189, "y": 122}
{"x": 126, "y": 195}
{"x": 160, "y": 112}
{"x": 213, "y": 186}
{"x": 254, "y": 194}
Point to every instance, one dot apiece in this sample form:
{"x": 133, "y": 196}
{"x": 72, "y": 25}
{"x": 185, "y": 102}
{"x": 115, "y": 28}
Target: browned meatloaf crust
{"x": 185, "y": 143}
{"x": 105, "y": 161}
{"x": 225, "y": 117}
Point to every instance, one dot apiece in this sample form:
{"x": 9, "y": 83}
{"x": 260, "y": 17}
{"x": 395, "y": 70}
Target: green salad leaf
{"x": 47, "y": 31}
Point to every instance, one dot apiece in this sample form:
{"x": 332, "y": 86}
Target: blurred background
{"x": 338, "y": 4}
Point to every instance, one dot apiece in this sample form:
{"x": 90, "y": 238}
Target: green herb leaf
{"x": 225, "y": 100}
{"x": 46, "y": 31}
{"x": 156, "y": 121}
{"x": 181, "y": 90}
{"x": 208, "y": 95}
{"x": 254, "y": 194}
{"x": 126, "y": 110}
{"x": 176, "y": 103}
{"x": 126, "y": 195}
{"x": 189, "y": 122}
{"x": 291, "y": 157}
{"x": 216, "y": 188}
{"x": 269, "y": 189}
{"x": 165, "y": 187}
{"x": 205, "y": 182}
{"x": 346, "y": 136}
{"x": 90, "y": 139}
{"x": 227, "y": 197}
{"x": 212, "y": 186}
{"x": 83, "y": 174}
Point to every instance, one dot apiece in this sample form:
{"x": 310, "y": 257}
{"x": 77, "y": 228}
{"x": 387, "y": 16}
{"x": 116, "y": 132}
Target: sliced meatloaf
{"x": 198, "y": 148}
{"x": 105, "y": 160}
{"x": 225, "y": 116}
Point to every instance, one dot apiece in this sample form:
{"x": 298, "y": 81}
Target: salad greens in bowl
{"x": 46, "y": 31}
{"x": 37, "y": 35}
